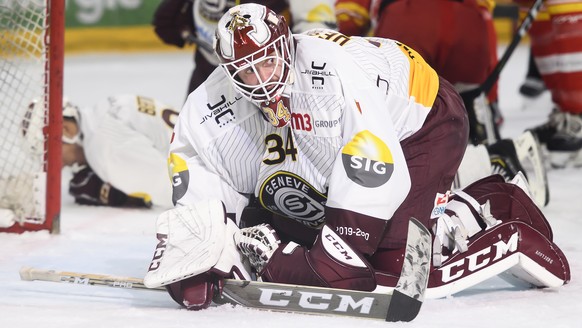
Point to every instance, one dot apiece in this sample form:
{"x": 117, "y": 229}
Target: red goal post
{"x": 31, "y": 93}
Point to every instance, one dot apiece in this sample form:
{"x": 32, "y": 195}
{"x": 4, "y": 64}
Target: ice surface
{"x": 121, "y": 241}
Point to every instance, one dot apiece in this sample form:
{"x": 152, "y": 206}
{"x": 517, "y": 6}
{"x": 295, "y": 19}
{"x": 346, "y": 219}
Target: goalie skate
{"x": 562, "y": 137}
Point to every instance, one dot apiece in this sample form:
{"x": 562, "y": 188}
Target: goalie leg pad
{"x": 330, "y": 262}
{"x": 481, "y": 206}
{"x": 509, "y": 203}
{"x": 511, "y": 249}
{"x": 474, "y": 166}
{"x": 542, "y": 263}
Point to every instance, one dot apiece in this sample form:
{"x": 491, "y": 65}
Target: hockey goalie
{"x": 300, "y": 160}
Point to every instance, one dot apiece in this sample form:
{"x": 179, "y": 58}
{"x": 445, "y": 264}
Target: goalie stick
{"x": 403, "y": 304}
{"x": 521, "y": 30}
{"x": 485, "y": 87}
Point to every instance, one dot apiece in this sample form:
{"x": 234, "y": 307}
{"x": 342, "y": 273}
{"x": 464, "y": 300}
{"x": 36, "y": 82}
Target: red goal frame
{"x": 53, "y": 97}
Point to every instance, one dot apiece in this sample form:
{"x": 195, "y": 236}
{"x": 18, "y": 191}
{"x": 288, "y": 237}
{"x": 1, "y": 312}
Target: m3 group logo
{"x": 367, "y": 160}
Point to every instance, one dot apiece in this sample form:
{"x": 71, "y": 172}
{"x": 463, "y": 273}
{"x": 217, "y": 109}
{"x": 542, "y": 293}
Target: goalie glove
{"x": 173, "y": 20}
{"x": 257, "y": 243}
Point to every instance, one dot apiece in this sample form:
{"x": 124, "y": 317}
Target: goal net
{"x": 31, "y": 71}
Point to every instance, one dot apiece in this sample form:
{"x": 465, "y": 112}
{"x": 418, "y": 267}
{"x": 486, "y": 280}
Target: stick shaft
{"x": 404, "y": 306}
{"x": 523, "y": 28}
{"x": 29, "y": 274}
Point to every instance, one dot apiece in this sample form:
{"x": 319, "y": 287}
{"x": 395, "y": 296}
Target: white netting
{"x": 23, "y": 28}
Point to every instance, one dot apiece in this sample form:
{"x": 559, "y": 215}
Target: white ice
{"x": 121, "y": 241}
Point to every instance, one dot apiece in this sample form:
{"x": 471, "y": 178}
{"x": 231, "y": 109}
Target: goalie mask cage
{"x": 31, "y": 75}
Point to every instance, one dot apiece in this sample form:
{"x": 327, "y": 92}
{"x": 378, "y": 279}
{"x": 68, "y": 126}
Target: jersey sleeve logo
{"x": 367, "y": 160}
{"x": 289, "y": 195}
{"x": 180, "y": 176}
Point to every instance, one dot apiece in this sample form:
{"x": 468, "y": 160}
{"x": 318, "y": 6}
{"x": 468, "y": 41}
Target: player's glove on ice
{"x": 89, "y": 189}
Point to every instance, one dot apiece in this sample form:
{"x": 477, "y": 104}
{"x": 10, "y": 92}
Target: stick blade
{"x": 26, "y": 273}
{"x": 403, "y": 307}
{"x": 409, "y": 294}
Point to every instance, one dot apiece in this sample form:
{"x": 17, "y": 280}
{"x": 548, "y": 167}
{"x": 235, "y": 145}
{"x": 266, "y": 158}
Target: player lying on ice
{"x": 117, "y": 152}
{"x": 307, "y": 154}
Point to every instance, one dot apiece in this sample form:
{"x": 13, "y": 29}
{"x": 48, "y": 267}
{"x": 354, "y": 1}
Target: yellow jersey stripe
{"x": 423, "y": 82}
{"x": 564, "y": 8}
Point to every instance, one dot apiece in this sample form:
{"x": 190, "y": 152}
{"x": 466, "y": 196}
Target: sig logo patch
{"x": 367, "y": 160}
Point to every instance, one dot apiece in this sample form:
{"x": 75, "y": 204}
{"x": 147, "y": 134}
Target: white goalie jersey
{"x": 126, "y": 140}
{"x": 350, "y": 109}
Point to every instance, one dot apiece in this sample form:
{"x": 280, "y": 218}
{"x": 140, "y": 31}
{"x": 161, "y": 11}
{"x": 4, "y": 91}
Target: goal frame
{"x": 55, "y": 114}
{"x": 53, "y": 98}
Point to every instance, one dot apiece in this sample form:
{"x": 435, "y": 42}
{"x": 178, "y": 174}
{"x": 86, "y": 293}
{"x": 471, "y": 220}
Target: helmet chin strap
{"x": 76, "y": 167}
{"x": 75, "y": 140}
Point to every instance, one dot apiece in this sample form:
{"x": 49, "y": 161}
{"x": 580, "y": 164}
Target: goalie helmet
{"x": 34, "y": 120}
{"x": 250, "y": 36}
